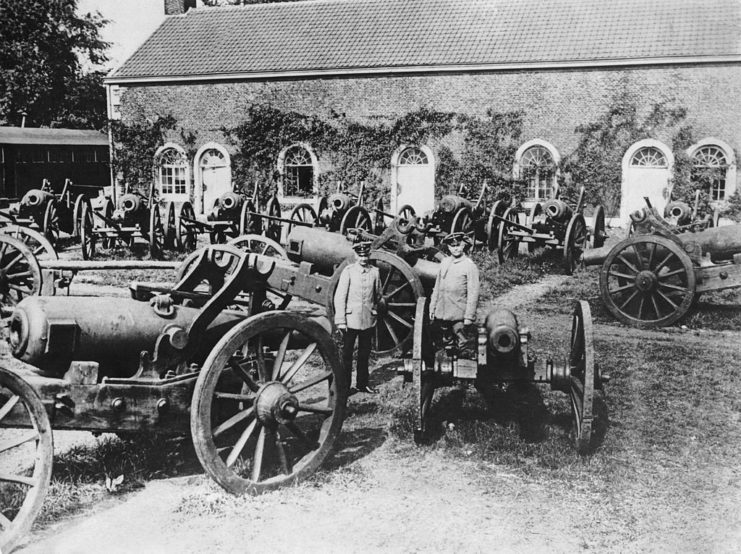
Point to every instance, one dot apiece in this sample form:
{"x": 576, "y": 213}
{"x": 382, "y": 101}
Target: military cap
{"x": 362, "y": 246}
{"x": 457, "y": 237}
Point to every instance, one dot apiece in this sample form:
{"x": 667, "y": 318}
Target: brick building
{"x": 561, "y": 62}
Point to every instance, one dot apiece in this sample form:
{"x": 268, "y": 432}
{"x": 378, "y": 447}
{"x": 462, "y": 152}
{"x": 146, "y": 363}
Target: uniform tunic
{"x": 456, "y": 292}
{"x": 357, "y": 295}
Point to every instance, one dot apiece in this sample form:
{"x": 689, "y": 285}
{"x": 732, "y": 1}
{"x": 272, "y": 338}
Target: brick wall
{"x": 554, "y": 102}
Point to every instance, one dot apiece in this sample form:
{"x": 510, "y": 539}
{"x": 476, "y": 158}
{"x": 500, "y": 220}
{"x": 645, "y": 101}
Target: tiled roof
{"x": 352, "y": 35}
{"x": 35, "y": 135}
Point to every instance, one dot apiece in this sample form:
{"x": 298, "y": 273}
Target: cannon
{"x": 137, "y": 220}
{"x": 681, "y": 217}
{"x": 504, "y": 355}
{"x": 553, "y": 224}
{"x": 261, "y": 393}
{"x": 652, "y": 279}
{"x": 343, "y": 210}
{"x": 43, "y": 210}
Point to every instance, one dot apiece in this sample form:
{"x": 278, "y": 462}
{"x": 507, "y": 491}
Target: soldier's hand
{"x": 342, "y": 327}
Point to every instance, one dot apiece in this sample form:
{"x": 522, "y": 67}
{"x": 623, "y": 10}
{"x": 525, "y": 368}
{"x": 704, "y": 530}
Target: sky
{"x": 131, "y": 22}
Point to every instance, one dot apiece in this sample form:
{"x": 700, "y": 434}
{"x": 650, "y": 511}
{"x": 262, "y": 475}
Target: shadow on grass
{"x": 353, "y": 445}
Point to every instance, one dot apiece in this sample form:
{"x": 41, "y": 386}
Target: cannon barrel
{"x": 678, "y": 213}
{"x": 340, "y": 201}
{"x": 721, "y": 243}
{"x": 130, "y": 203}
{"x": 36, "y": 197}
{"x": 230, "y": 201}
{"x": 502, "y": 332}
{"x": 557, "y": 210}
{"x": 50, "y": 332}
{"x": 451, "y": 203}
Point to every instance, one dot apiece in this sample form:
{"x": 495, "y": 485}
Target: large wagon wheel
{"x": 356, "y": 217}
{"x": 598, "y": 228}
{"x": 302, "y": 213}
{"x": 249, "y": 221}
{"x": 574, "y": 243}
{"x": 170, "y": 225}
{"x": 269, "y": 403}
{"x": 507, "y": 244}
{"x": 647, "y": 281}
{"x": 405, "y": 219}
{"x": 422, "y": 382}
{"x": 36, "y": 242}
{"x": 156, "y": 232}
{"x": 107, "y": 212}
{"x": 87, "y": 233}
{"x": 400, "y": 289}
{"x": 25, "y": 458}
{"x": 462, "y": 221}
{"x": 186, "y": 234}
{"x": 259, "y": 244}
{"x": 272, "y": 228}
{"x": 492, "y": 224}
{"x": 20, "y": 273}
{"x": 379, "y": 221}
{"x": 51, "y": 222}
{"x": 81, "y": 201}
{"x": 582, "y": 375}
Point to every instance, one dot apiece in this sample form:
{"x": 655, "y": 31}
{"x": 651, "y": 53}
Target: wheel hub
{"x": 646, "y": 281}
{"x": 275, "y": 404}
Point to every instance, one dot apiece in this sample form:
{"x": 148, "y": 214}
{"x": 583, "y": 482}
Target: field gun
{"x": 504, "y": 355}
{"x": 553, "y": 224}
{"x": 261, "y": 393}
{"x": 652, "y": 279}
{"x": 682, "y": 217}
{"x": 344, "y": 210}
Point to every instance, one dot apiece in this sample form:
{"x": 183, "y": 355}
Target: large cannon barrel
{"x": 36, "y": 197}
{"x": 451, "y": 203}
{"x": 502, "y": 333}
{"x": 558, "y": 210}
{"x": 340, "y": 201}
{"x": 50, "y": 332}
{"x": 131, "y": 203}
{"x": 678, "y": 213}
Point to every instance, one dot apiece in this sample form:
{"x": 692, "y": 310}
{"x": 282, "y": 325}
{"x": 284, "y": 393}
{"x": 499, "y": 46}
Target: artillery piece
{"x": 42, "y": 210}
{"x": 652, "y": 278}
{"x": 504, "y": 356}
{"x": 344, "y": 210}
{"x": 682, "y": 217}
{"x": 552, "y": 224}
{"x": 136, "y": 221}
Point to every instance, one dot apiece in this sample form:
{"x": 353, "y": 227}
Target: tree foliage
{"x": 134, "y": 147}
{"x": 45, "y": 48}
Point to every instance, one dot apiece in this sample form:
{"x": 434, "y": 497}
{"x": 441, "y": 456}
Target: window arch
{"x": 649, "y": 156}
{"x": 710, "y": 170}
{"x": 538, "y": 166}
{"x": 413, "y": 156}
{"x": 297, "y": 168}
{"x": 172, "y": 171}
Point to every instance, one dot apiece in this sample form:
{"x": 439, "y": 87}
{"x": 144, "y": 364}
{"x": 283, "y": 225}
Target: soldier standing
{"x": 356, "y": 302}
{"x": 455, "y": 296}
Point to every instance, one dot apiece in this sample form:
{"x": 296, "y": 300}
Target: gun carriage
{"x": 341, "y": 211}
{"x": 653, "y": 278}
{"x": 49, "y": 213}
{"x": 553, "y": 224}
{"x": 682, "y": 217}
{"x": 503, "y": 356}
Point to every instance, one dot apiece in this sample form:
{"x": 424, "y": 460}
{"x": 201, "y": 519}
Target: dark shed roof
{"x": 72, "y": 137}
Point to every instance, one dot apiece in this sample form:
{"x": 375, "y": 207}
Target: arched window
{"x": 172, "y": 170}
{"x": 298, "y": 172}
{"x": 413, "y": 156}
{"x": 539, "y": 170}
{"x": 648, "y": 156}
{"x": 709, "y": 170}
{"x": 212, "y": 158}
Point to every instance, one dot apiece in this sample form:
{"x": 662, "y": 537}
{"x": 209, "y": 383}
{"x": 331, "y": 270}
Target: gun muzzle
{"x": 502, "y": 332}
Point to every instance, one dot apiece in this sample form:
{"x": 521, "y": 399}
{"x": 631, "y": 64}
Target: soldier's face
{"x": 456, "y": 249}
{"x": 363, "y": 258}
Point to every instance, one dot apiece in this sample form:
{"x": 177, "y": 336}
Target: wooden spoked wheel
{"x": 535, "y": 213}
{"x": 20, "y": 273}
{"x": 422, "y": 383}
{"x": 87, "y": 233}
{"x": 492, "y": 224}
{"x": 271, "y": 228}
{"x": 507, "y": 244}
{"x": 25, "y": 458}
{"x": 598, "y": 228}
{"x": 81, "y": 201}
{"x": 249, "y": 222}
{"x": 269, "y": 403}
{"x": 170, "y": 225}
{"x": 304, "y": 214}
{"x": 186, "y": 234}
{"x": 462, "y": 221}
{"x": 51, "y": 222}
{"x": 400, "y": 289}
{"x": 405, "y": 219}
{"x": 647, "y": 281}
{"x": 356, "y": 217}
{"x": 259, "y": 244}
{"x": 156, "y": 232}
{"x": 36, "y": 242}
{"x": 107, "y": 212}
{"x": 582, "y": 376}
{"x": 575, "y": 242}
{"x": 379, "y": 221}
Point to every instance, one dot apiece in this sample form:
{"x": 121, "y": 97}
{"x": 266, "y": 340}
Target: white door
{"x": 215, "y": 178}
{"x": 415, "y": 182}
{"x": 647, "y": 176}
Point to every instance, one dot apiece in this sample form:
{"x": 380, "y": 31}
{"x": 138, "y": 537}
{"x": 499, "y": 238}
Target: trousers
{"x": 363, "y": 337}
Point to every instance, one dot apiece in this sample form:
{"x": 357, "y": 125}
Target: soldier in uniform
{"x": 455, "y": 296}
{"x": 356, "y": 303}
